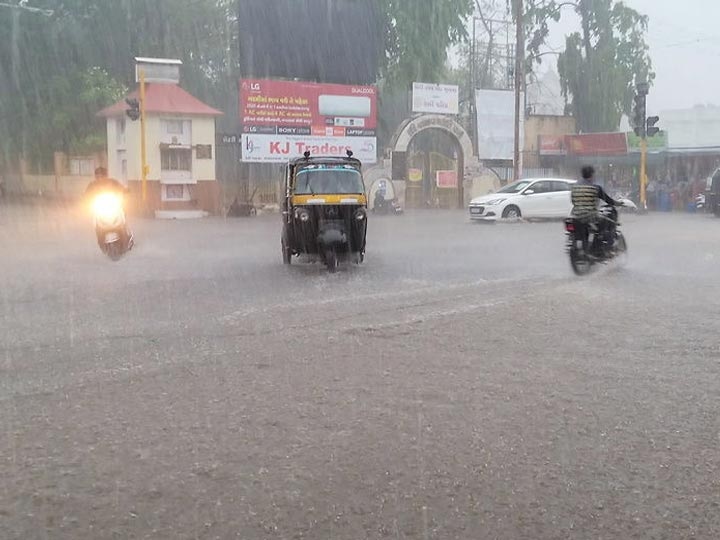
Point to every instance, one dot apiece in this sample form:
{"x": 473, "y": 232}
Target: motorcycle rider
{"x": 104, "y": 184}
{"x": 585, "y": 195}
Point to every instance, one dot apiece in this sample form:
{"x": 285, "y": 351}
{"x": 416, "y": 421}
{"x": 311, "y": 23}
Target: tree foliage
{"x": 57, "y": 71}
{"x": 601, "y": 62}
{"x": 418, "y": 34}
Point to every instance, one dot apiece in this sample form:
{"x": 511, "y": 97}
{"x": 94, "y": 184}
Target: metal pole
{"x": 519, "y": 74}
{"x": 643, "y": 173}
{"x": 143, "y": 154}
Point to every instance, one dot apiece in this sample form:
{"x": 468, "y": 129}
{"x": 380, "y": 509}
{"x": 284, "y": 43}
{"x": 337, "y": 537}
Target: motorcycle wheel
{"x": 580, "y": 264}
{"x": 331, "y": 261}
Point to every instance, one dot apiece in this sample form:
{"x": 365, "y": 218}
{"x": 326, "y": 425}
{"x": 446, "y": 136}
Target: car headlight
{"x": 494, "y": 202}
{"x": 360, "y": 214}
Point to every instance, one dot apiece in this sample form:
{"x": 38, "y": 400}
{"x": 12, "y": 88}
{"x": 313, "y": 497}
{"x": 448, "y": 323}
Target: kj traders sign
{"x": 283, "y": 119}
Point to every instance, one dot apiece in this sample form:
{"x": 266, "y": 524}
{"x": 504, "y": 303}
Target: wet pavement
{"x": 462, "y": 383}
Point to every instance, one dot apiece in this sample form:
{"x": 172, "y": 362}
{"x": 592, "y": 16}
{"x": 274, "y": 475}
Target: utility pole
{"x": 519, "y": 83}
{"x": 143, "y": 152}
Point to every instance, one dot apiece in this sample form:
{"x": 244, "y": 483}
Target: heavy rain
{"x": 359, "y": 269}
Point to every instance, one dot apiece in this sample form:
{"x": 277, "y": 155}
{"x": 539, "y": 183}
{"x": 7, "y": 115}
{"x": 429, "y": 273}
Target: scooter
{"x": 383, "y": 206}
{"x": 111, "y": 225}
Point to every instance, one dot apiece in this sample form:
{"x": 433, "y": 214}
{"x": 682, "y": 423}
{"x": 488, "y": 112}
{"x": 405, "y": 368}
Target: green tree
{"x": 601, "y": 62}
{"x": 418, "y": 35}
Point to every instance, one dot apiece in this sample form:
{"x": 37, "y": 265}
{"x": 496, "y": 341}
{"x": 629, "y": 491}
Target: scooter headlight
{"x": 107, "y": 207}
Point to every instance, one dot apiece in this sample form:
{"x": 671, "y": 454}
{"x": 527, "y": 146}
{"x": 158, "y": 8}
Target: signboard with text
{"x": 283, "y": 119}
{"x": 446, "y": 179}
{"x": 435, "y": 98}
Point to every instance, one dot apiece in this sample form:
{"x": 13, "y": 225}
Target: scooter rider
{"x": 103, "y": 184}
{"x": 585, "y": 195}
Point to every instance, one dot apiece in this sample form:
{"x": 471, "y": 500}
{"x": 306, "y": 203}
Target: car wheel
{"x": 512, "y": 212}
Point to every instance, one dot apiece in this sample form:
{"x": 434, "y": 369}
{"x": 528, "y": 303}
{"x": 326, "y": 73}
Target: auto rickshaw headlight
{"x": 360, "y": 214}
{"x": 303, "y": 215}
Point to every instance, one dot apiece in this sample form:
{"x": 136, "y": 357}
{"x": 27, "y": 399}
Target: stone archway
{"x": 410, "y": 129}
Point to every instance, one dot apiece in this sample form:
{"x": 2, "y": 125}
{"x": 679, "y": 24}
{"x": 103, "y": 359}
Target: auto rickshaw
{"x": 325, "y": 210}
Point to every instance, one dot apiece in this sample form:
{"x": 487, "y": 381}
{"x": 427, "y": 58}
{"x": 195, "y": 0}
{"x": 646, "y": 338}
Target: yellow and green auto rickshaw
{"x": 325, "y": 210}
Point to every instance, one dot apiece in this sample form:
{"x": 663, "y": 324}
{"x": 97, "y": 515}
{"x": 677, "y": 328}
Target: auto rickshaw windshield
{"x": 328, "y": 180}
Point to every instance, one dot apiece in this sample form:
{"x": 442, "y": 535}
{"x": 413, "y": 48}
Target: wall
{"x": 203, "y": 132}
{"x": 537, "y": 125}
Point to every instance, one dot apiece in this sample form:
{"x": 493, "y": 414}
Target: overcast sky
{"x": 684, "y": 39}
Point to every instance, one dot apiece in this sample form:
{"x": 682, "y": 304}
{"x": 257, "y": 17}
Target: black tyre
{"x": 331, "y": 261}
{"x": 580, "y": 264}
{"x": 286, "y": 253}
{"x": 114, "y": 251}
{"x": 512, "y": 212}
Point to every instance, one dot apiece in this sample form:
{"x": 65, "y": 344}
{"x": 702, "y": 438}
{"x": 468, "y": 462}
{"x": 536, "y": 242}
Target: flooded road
{"x": 462, "y": 383}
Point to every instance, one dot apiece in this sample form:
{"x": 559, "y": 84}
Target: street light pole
{"x": 519, "y": 83}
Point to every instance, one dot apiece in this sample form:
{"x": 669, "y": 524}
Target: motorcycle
{"x": 111, "y": 225}
{"x": 383, "y": 206}
{"x": 604, "y": 243}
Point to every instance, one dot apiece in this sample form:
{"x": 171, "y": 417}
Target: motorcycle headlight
{"x": 360, "y": 214}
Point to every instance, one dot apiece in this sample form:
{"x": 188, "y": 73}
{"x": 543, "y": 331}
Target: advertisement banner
{"x": 435, "y": 98}
{"x": 285, "y": 116}
{"x": 446, "y": 179}
{"x": 597, "y": 144}
{"x": 551, "y": 145}
{"x": 496, "y": 124}
{"x": 656, "y": 143}
{"x": 261, "y": 148}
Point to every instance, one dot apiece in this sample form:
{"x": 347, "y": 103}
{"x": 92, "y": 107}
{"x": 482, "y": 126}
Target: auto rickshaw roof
{"x": 326, "y": 160}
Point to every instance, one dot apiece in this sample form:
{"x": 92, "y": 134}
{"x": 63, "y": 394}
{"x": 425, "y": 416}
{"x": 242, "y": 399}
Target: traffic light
{"x": 134, "y": 111}
{"x": 639, "y": 114}
{"x": 651, "y": 130}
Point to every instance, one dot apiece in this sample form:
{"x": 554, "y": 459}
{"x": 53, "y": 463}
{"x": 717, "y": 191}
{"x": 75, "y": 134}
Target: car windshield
{"x": 332, "y": 180}
{"x": 515, "y": 187}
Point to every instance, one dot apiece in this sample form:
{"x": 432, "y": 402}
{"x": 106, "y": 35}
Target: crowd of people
{"x": 668, "y": 195}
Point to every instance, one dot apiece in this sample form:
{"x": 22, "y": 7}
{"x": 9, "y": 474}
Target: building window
{"x": 82, "y": 166}
{"x": 203, "y": 151}
{"x": 174, "y": 127}
{"x": 176, "y": 159}
{"x": 175, "y": 192}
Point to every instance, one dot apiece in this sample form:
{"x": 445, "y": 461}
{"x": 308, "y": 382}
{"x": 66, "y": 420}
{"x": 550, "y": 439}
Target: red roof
{"x": 162, "y": 98}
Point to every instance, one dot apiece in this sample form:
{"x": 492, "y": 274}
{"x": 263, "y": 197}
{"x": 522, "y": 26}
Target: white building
{"x": 180, "y": 146}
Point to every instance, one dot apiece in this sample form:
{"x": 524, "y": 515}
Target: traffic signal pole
{"x": 143, "y": 153}
{"x": 643, "y": 173}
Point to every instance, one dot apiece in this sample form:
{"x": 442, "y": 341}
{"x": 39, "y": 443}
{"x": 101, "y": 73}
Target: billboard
{"x": 597, "y": 144}
{"x": 496, "y": 124}
{"x": 282, "y": 119}
{"x": 435, "y": 98}
{"x": 334, "y": 41}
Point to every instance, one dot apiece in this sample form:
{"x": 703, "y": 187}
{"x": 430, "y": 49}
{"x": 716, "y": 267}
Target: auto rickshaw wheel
{"x": 286, "y": 252}
{"x": 331, "y": 261}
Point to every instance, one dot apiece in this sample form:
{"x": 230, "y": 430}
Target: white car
{"x": 543, "y": 198}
